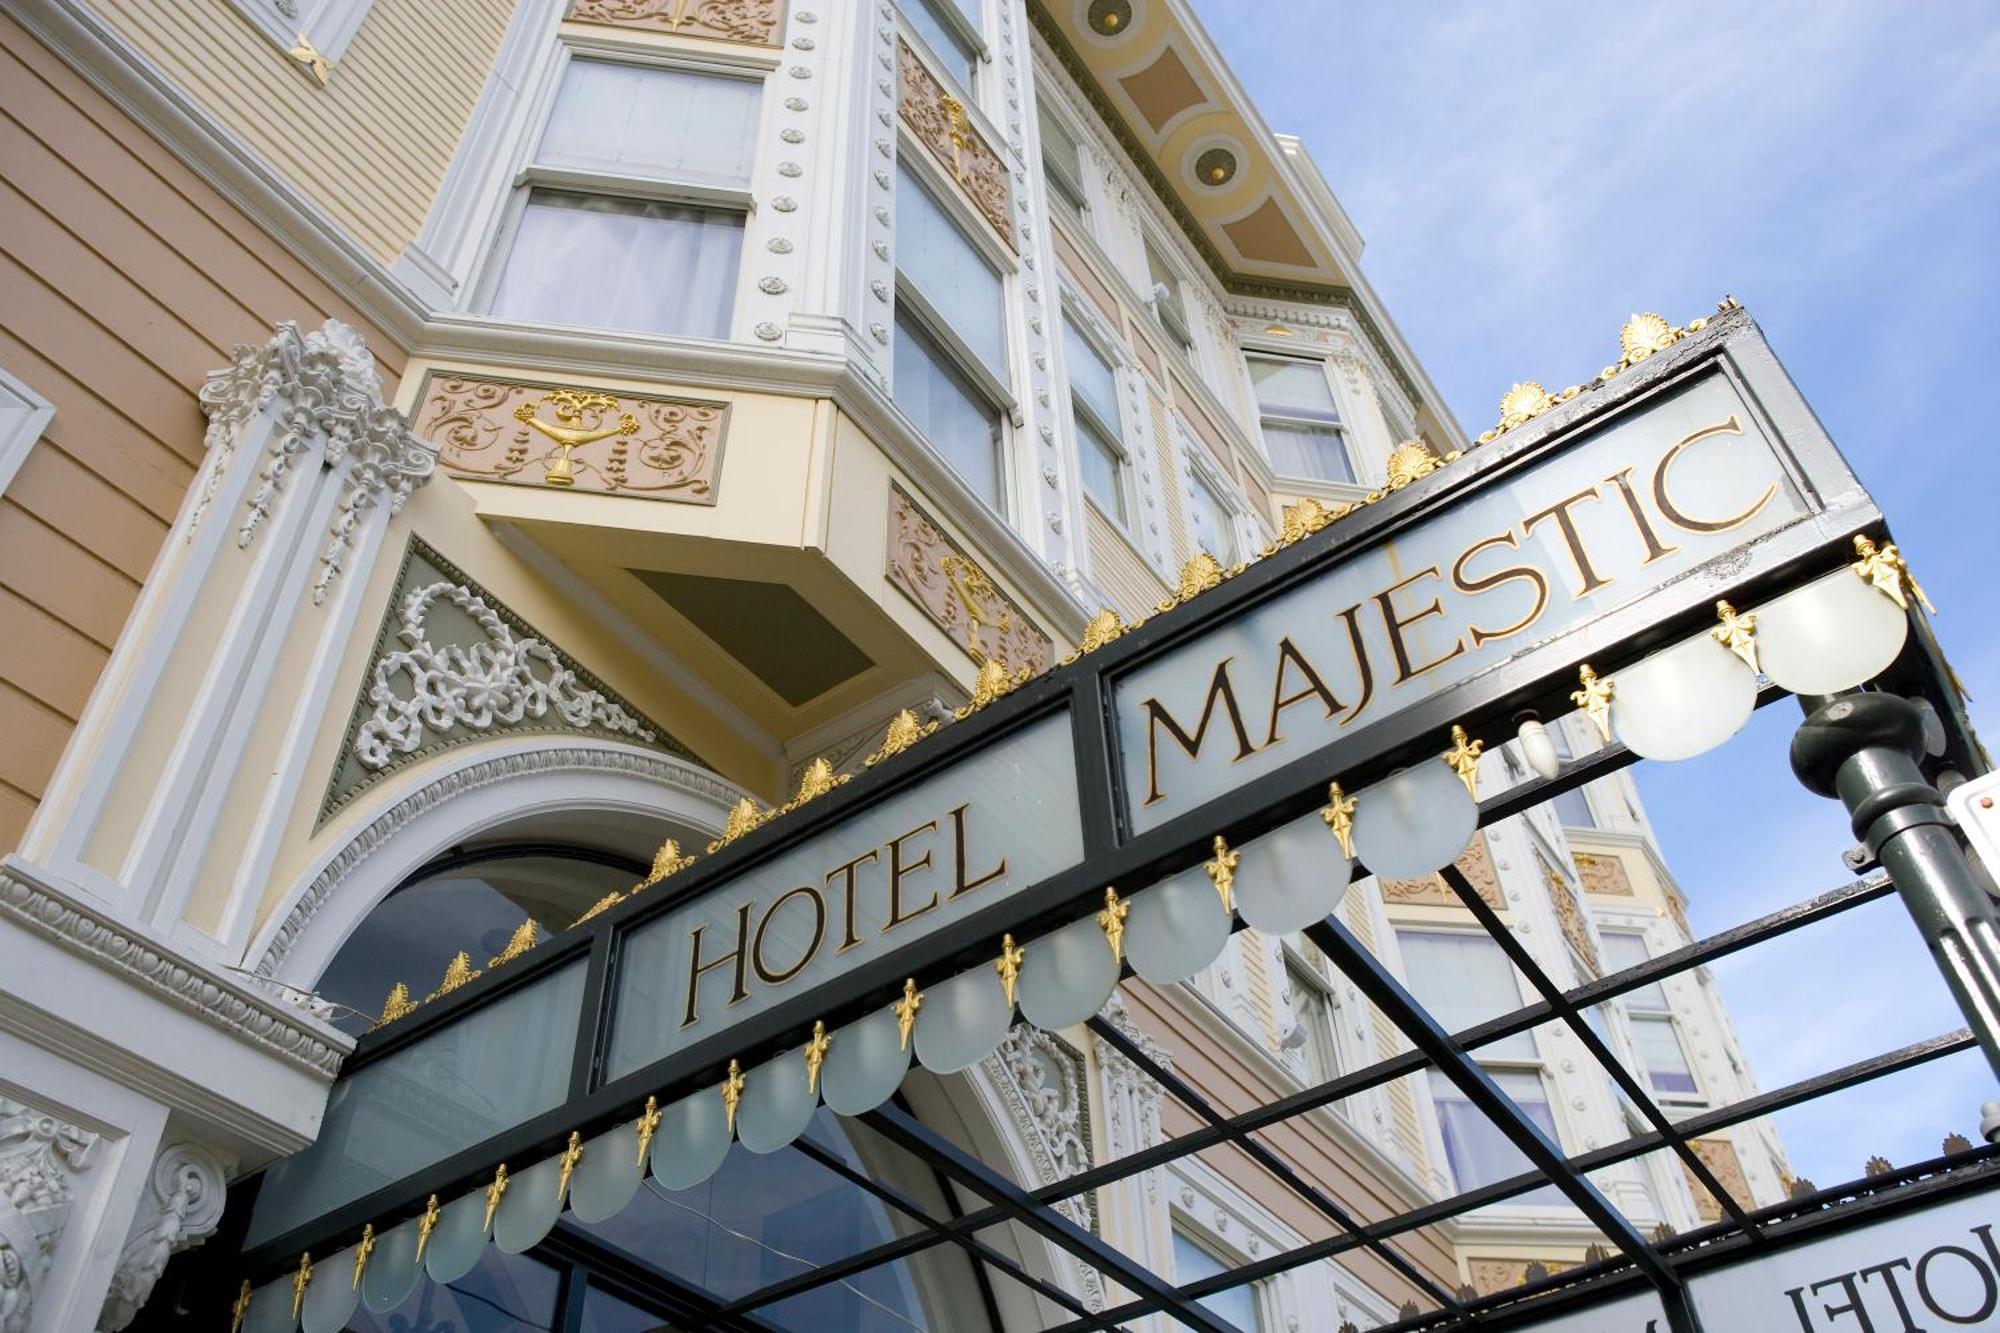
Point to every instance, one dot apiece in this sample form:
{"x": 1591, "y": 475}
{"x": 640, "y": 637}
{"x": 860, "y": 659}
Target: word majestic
{"x": 1576, "y": 535}
{"x": 999, "y": 820}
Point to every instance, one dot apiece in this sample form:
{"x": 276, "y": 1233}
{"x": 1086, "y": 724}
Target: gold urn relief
{"x": 577, "y": 423}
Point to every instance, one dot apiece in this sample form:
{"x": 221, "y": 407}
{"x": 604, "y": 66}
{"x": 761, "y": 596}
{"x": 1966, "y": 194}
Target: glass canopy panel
{"x": 1002, "y": 819}
{"x": 506, "y": 1293}
{"x": 493, "y": 1068}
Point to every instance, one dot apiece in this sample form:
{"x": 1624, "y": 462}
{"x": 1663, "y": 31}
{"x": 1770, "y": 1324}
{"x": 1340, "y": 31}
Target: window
{"x": 1312, "y": 1006}
{"x": 1093, "y": 404}
{"x": 949, "y": 31}
{"x": 951, "y": 339}
{"x": 1475, "y": 1149}
{"x": 633, "y": 211}
{"x": 1300, "y": 421}
{"x": 1166, "y": 297}
{"x": 1465, "y": 979}
{"x": 1236, "y": 1305}
{"x": 1572, "y": 807}
{"x": 1062, "y": 166}
{"x": 1215, "y": 529}
{"x": 1655, "y": 1037}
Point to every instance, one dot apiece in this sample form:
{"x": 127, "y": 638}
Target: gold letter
{"x": 1396, "y": 625}
{"x": 897, "y": 870}
{"x": 1655, "y": 548}
{"x": 764, "y": 973}
{"x": 1352, "y": 615}
{"x": 1572, "y": 539}
{"x": 960, "y": 882}
{"x": 1481, "y": 637}
{"x": 696, "y": 967}
{"x": 1156, "y": 715}
{"x": 1289, "y": 653}
{"x": 1674, "y": 513}
{"x": 850, "y": 939}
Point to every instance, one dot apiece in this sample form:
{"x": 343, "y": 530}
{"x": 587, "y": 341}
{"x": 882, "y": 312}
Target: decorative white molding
{"x": 498, "y": 683}
{"x": 1131, "y": 1100}
{"x": 1039, "y": 1080}
{"x": 181, "y": 1209}
{"x": 663, "y": 770}
{"x": 40, "y": 1155}
{"x": 84, "y": 931}
{"x": 331, "y": 399}
{"x": 24, "y": 415}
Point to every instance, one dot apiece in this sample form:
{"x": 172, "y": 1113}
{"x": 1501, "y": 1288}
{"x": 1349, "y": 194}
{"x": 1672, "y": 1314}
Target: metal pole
{"x": 1864, "y": 749}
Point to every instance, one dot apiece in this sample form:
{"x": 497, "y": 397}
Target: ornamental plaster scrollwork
{"x": 40, "y": 1154}
{"x": 453, "y": 664}
{"x": 1131, "y": 1100}
{"x": 939, "y": 119}
{"x": 332, "y": 403}
{"x": 1040, "y": 1081}
{"x": 182, "y": 1207}
{"x": 729, "y": 20}
{"x": 956, "y": 594}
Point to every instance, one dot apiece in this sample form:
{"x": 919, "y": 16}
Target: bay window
{"x": 1655, "y": 1036}
{"x": 951, "y": 339}
{"x": 1303, "y": 435}
{"x": 1215, "y": 527}
{"x": 631, "y": 207}
{"x": 949, "y": 30}
{"x": 1093, "y": 403}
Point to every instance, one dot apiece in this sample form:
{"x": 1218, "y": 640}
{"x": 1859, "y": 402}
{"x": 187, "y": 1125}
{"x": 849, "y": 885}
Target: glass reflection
{"x": 412, "y": 934}
{"x": 507, "y": 1293}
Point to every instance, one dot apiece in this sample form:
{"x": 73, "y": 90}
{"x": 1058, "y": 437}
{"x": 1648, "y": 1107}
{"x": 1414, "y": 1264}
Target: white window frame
{"x": 1636, "y": 1011}
{"x": 916, "y": 159}
{"x": 1300, "y": 970}
{"x": 1263, "y": 1292}
{"x": 1202, "y": 470}
{"x": 1047, "y": 117}
{"x": 523, "y": 176}
{"x": 329, "y": 25}
{"x": 24, "y": 415}
{"x": 1115, "y": 431}
{"x": 1342, "y": 429}
{"x": 949, "y": 15}
{"x": 1172, "y": 319}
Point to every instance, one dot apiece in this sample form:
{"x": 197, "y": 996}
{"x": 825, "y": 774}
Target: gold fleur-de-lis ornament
{"x": 1737, "y": 633}
{"x": 1008, "y": 966}
{"x": 816, "y": 1050}
{"x": 1221, "y": 870}
{"x": 1338, "y": 814}
{"x": 300, "y": 1281}
{"x": 572, "y": 1155}
{"x": 648, "y": 1124}
{"x": 427, "y": 1226}
{"x": 362, "y": 1252}
{"x": 1886, "y": 570}
{"x": 494, "y": 1193}
{"x": 732, "y": 1094}
{"x": 906, "y": 1012}
{"x": 1111, "y": 920}
{"x": 1594, "y": 698}
{"x": 1463, "y": 756}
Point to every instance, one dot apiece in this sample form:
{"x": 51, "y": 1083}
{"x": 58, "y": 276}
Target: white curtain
{"x": 1464, "y": 979}
{"x": 935, "y": 256}
{"x": 957, "y": 422}
{"x": 596, "y": 261}
{"x": 632, "y": 120}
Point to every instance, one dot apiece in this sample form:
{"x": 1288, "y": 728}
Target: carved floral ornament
{"x": 956, "y": 594}
{"x": 730, "y": 20}
{"x": 330, "y": 406}
{"x": 40, "y": 1154}
{"x": 532, "y": 435}
{"x": 940, "y": 121}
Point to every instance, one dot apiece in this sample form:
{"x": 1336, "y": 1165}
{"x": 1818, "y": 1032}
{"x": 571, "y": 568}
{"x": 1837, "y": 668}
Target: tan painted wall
{"x": 370, "y": 147}
{"x": 1119, "y": 570}
{"x": 123, "y": 281}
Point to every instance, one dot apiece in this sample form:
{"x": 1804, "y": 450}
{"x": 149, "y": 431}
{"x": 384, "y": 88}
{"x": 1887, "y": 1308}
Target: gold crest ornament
{"x": 571, "y": 1156}
{"x": 1338, "y": 814}
{"x": 648, "y": 1124}
{"x": 1102, "y": 629}
{"x": 522, "y": 940}
{"x": 427, "y": 1225}
{"x": 1464, "y": 759}
{"x": 991, "y": 683}
{"x": 569, "y": 433}
{"x": 816, "y": 1050}
{"x": 1198, "y": 575}
{"x": 241, "y": 1307}
{"x": 744, "y": 817}
{"x": 732, "y": 1095}
{"x": 599, "y": 908}
{"x": 906, "y": 1012}
{"x": 1594, "y": 699}
{"x": 1737, "y": 633}
{"x": 1221, "y": 870}
{"x": 1885, "y": 569}
{"x": 1008, "y": 966}
{"x": 1111, "y": 920}
{"x": 397, "y": 1005}
{"x": 818, "y": 779}
{"x": 456, "y": 974}
{"x": 362, "y": 1253}
{"x": 904, "y": 731}
{"x": 667, "y": 861}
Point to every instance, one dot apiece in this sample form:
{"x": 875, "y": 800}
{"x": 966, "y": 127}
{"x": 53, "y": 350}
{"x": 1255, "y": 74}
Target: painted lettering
{"x": 697, "y": 968}
{"x": 778, "y": 976}
{"x": 899, "y": 870}
{"x": 1510, "y": 574}
{"x": 960, "y": 883}
{"x": 1655, "y": 548}
{"x": 1315, "y": 688}
{"x": 1396, "y": 623}
{"x": 1679, "y": 517}
{"x": 1219, "y": 689}
{"x": 846, "y": 873}
{"x": 1588, "y": 579}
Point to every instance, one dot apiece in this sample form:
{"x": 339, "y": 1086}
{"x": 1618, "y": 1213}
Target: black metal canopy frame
{"x": 1536, "y": 680}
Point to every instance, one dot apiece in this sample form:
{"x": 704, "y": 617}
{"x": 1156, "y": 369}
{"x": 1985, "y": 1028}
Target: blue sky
{"x": 1525, "y": 176}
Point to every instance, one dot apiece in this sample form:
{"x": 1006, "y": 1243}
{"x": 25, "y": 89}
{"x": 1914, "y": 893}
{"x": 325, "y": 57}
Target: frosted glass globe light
{"x": 1682, "y": 701}
{"x": 1832, "y": 634}
{"x": 1414, "y": 822}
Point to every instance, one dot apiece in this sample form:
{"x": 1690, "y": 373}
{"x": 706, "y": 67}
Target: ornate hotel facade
{"x": 448, "y": 447}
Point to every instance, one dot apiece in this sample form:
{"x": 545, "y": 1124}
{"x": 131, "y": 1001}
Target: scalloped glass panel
{"x": 1292, "y": 876}
{"x": 963, "y": 1019}
{"x": 1833, "y": 634}
{"x": 460, "y": 1238}
{"x": 1415, "y": 821}
{"x": 489, "y": 1070}
{"x": 1177, "y": 927}
{"x": 332, "y": 1296}
{"x": 777, "y": 1103}
{"x": 865, "y": 1065}
{"x": 609, "y": 1174}
{"x": 1067, "y": 975}
{"x": 271, "y": 1308}
{"x": 693, "y": 1140}
{"x": 530, "y": 1208}
{"x": 392, "y": 1270}
{"x": 1682, "y": 701}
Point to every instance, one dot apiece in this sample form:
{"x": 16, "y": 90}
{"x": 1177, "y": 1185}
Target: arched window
{"x": 469, "y": 900}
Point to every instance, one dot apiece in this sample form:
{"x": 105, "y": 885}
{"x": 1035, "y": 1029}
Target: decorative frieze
{"x": 40, "y": 1156}
{"x": 1719, "y": 1156}
{"x": 1496, "y": 1275}
{"x": 573, "y": 437}
{"x": 453, "y": 665}
{"x": 1569, "y": 915}
{"x": 940, "y": 121}
{"x": 1475, "y": 863}
{"x": 729, "y": 20}
{"x": 956, "y": 594}
{"x": 1603, "y": 874}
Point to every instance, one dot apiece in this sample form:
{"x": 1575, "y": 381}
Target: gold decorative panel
{"x": 1603, "y": 874}
{"x": 1570, "y": 917}
{"x": 1496, "y": 1275}
{"x": 939, "y": 119}
{"x": 956, "y": 594}
{"x": 730, "y": 20}
{"x": 1719, "y": 1156}
{"x": 1476, "y": 864}
{"x": 583, "y": 439}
